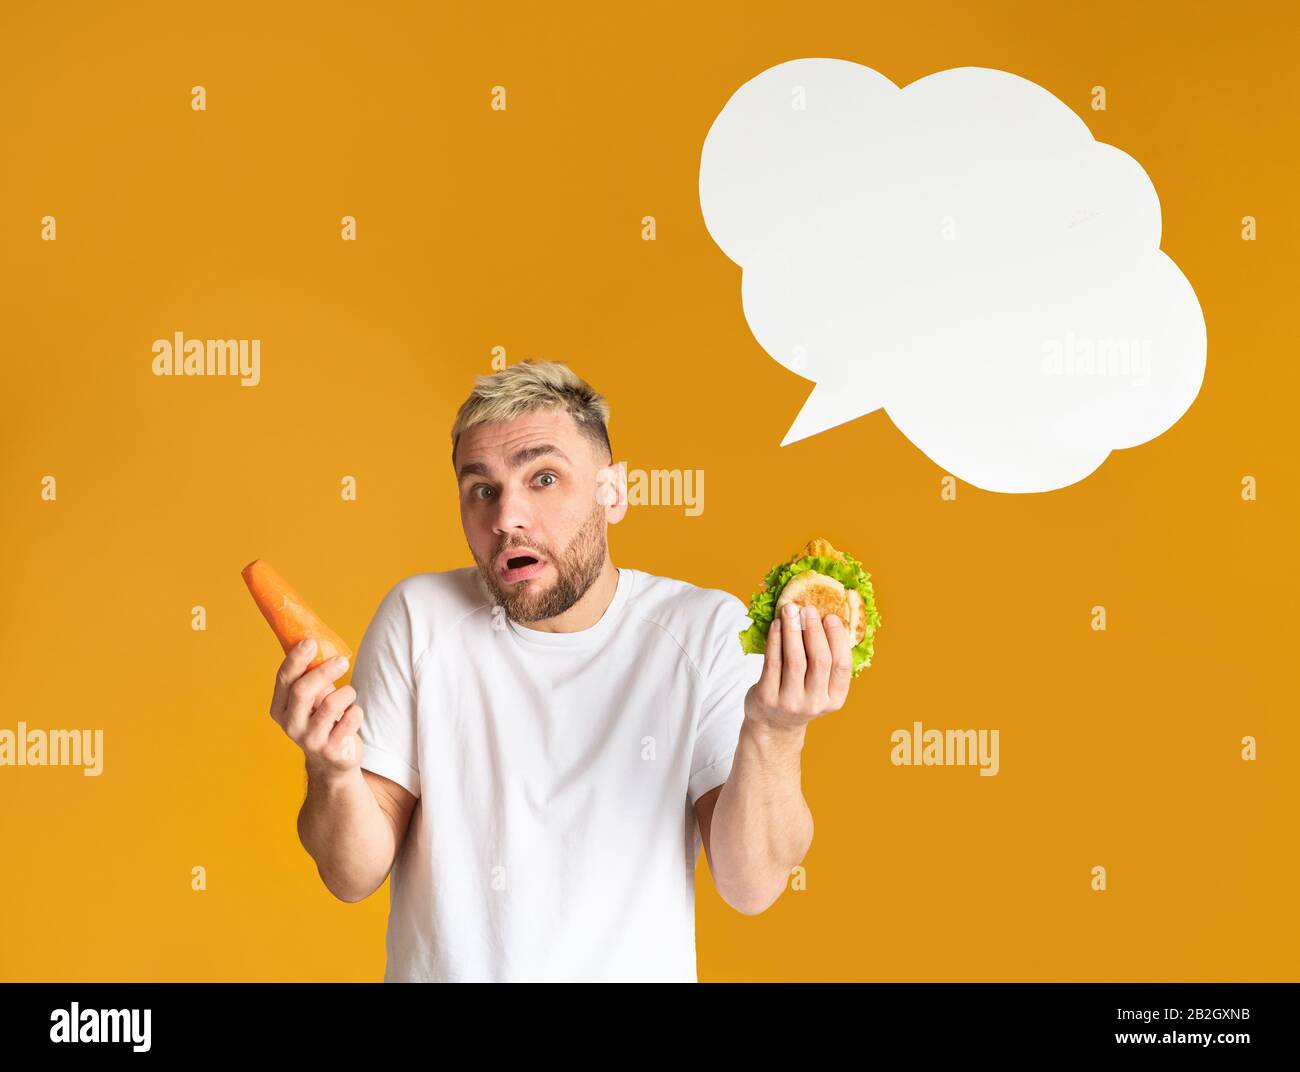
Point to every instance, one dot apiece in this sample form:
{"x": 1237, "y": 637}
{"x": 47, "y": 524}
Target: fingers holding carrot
{"x": 298, "y": 692}
{"x": 316, "y": 716}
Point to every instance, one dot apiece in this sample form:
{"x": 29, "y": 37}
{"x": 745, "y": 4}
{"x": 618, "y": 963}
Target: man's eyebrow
{"x": 520, "y": 457}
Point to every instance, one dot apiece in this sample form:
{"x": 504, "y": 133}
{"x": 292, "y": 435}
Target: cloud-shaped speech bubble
{"x": 961, "y": 253}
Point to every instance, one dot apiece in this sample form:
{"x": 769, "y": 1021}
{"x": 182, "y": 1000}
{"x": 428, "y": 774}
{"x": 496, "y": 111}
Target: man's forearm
{"x": 345, "y": 831}
{"x": 761, "y": 825}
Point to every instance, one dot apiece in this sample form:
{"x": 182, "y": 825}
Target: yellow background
{"x": 521, "y": 229}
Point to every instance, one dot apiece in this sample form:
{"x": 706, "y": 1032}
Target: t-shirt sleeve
{"x": 728, "y": 672}
{"x": 383, "y": 676}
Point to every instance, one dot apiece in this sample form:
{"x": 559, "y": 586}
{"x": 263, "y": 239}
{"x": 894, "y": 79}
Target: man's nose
{"x": 513, "y": 510}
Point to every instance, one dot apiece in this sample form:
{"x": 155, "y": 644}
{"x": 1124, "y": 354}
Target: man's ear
{"x": 611, "y": 490}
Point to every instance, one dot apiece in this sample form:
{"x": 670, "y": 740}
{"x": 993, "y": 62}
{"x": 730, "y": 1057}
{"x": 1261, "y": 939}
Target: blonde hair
{"x": 531, "y": 385}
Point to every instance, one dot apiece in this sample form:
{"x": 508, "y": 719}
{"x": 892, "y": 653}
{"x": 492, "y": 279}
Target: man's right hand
{"x": 319, "y": 719}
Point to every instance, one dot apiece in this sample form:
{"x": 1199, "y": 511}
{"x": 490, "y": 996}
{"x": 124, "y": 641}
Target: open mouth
{"x": 521, "y": 566}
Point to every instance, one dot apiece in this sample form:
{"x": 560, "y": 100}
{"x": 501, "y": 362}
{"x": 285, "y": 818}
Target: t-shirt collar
{"x": 580, "y": 638}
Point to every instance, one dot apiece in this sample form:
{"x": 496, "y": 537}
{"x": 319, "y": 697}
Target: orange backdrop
{"x": 522, "y": 229}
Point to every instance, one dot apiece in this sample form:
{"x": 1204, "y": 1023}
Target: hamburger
{"x": 819, "y": 576}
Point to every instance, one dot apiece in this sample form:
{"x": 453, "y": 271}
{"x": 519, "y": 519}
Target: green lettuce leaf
{"x": 762, "y": 604}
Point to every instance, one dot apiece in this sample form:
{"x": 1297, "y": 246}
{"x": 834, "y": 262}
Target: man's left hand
{"x": 806, "y": 670}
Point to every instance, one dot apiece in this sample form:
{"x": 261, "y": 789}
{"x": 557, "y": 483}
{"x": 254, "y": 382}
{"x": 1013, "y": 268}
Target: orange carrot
{"x": 291, "y": 618}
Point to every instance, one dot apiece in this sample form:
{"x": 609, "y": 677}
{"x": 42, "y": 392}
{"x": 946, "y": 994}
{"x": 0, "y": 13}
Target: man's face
{"x": 517, "y": 499}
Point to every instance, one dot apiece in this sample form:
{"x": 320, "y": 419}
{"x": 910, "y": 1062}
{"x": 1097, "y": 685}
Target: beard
{"x": 576, "y": 571}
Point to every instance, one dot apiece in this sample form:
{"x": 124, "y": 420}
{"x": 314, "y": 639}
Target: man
{"x": 537, "y": 746}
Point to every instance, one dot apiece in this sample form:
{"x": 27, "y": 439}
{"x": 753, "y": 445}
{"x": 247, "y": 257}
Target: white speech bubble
{"x": 961, "y": 253}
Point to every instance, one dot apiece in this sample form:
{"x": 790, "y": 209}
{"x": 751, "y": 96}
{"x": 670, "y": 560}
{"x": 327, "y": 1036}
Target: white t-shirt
{"x": 555, "y": 836}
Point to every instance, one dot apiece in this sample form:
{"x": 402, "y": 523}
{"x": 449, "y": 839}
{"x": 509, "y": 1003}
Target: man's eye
{"x": 474, "y": 491}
